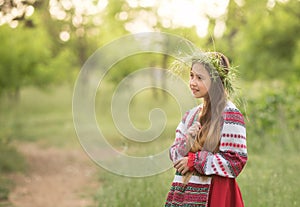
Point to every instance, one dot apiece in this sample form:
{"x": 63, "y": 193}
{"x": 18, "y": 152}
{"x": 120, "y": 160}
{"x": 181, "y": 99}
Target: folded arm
{"x": 232, "y": 155}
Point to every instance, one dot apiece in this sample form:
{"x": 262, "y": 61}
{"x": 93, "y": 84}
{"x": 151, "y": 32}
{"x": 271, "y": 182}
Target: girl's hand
{"x": 193, "y": 130}
{"x": 182, "y": 165}
{"x": 191, "y": 135}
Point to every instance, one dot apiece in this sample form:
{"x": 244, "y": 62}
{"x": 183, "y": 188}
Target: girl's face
{"x": 200, "y": 81}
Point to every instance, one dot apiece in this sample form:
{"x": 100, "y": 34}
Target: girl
{"x": 209, "y": 150}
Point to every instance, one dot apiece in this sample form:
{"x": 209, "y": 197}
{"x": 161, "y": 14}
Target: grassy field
{"x": 43, "y": 116}
{"x": 270, "y": 177}
{"x": 268, "y": 180}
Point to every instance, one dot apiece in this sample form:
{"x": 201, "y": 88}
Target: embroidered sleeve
{"x": 232, "y": 155}
{"x": 178, "y": 149}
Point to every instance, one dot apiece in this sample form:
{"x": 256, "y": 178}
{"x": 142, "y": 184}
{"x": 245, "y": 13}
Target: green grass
{"x": 119, "y": 191}
{"x": 43, "y": 116}
{"x": 268, "y": 180}
{"x": 5, "y": 186}
{"x": 10, "y": 161}
{"x": 271, "y": 179}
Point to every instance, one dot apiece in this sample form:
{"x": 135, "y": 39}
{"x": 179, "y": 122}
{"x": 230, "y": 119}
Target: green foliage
{"x": 266, "y": 44}
{"x": 273, "y": 116}
{"x": 23, "y": 54}
{"x": 296, "y": 61}
{"x": 27, "y": 58}
{"x": 133, "y": 63}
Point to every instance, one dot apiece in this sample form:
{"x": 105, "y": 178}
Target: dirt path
{"x": 56, "y": 177}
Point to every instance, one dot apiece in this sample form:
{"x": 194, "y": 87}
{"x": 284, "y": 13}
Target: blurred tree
{"x": 11, "y": 10}
{"x": 271, "y": 41}
{"x": 23, "y": 54}
{"x": 27, "y": 58}
{"x": 264, "y": 44}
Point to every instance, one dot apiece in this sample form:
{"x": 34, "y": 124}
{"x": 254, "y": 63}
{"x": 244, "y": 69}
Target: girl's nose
{"x": 192, "y": 81}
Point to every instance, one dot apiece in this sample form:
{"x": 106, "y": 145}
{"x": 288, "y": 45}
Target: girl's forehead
{"x": 199, "y": 69}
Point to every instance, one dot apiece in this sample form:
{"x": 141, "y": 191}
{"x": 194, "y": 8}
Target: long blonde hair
{"x": 210, "y": 117}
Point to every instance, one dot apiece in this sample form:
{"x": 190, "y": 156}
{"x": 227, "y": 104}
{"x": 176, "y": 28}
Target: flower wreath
{"x": 211, "y": 60}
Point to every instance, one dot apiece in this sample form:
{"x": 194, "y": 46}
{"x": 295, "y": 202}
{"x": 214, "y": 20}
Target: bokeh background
{"x": 44, "y": 44}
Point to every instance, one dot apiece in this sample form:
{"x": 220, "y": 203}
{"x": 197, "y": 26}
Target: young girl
{"x": 209, "y": 150}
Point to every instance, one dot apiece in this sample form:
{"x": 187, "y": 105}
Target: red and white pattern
{"x": 229, "y": 161}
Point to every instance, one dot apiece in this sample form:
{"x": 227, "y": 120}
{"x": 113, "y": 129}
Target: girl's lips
{"x": 194, "y": 90}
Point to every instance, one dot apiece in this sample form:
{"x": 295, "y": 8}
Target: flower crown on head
{"x": 214, "y": 63}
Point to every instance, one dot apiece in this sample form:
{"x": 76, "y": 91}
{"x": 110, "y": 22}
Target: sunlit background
{"x": 167, "y": 13}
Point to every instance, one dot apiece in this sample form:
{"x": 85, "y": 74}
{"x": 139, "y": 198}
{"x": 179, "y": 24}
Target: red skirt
{"x": 219, "y": 192}
{"x": 224, "y": 192}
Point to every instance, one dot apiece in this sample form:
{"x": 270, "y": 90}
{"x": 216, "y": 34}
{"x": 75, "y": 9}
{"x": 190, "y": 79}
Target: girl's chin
{"x": 197, "y": 95}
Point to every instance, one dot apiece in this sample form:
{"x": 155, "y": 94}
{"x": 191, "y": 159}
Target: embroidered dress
{"x": 215, "y": 184}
